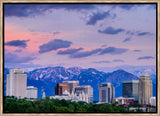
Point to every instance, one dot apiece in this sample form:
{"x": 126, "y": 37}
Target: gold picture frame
{"x": 78, "y": 1}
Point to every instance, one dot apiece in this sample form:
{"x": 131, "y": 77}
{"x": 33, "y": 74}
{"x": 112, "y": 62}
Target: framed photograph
{"x": 79, "y": 57}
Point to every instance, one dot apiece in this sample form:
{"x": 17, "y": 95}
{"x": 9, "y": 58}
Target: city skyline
{"x": 73, "y": 91}
{"x": 84, "y": 35}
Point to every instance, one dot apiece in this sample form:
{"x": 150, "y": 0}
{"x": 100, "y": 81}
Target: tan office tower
{"x": 145, "y": 89}
{"x": 16, "y": 83}
{"x": 106, "y": 92}
{"x": 72, "y": 85}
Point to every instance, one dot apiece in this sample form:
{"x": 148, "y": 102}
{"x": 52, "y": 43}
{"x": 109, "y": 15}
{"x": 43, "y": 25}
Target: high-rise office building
{"x": 145, "y": 89}
{"x": 72, "y": 85}
{"x": 85, "y": 92}
{"x": 61, "y": 87}
{"x": 16, "y": 83}
{"x": 130, "y": 89}
{"x": 106, "y": 92}
{"x": 31, "y": 92}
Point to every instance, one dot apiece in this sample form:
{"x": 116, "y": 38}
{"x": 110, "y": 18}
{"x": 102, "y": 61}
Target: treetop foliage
{"x": 14, "y": 105}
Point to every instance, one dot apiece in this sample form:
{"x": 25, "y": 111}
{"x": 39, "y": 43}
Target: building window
{"x": 108, "y": 95}
{"x": 103, "y": 95}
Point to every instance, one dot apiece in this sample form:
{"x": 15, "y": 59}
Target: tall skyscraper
{"x": 72, "y": 85}
{"x": 106, "y": 92}
{"x": 86, "y": 91}
{"x": 130, "y": 89}
{"x": 61, "y": 87}
{"x": 32, "y": 92}
{"x": 145, "y": 89}
{"x": 16, "y": 83}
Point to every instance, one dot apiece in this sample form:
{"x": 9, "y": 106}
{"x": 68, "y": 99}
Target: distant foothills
{"x": 45, "y": 79}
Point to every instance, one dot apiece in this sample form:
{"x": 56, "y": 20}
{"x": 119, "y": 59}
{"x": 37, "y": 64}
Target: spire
{"x": 80, "y": 97}
{"x": 86, "y": 98}
{"x": 83, "y": 96}
{"x": 66, "y": 93}
{"x": 44, "y": 95}
{"x": 72, "y": 95}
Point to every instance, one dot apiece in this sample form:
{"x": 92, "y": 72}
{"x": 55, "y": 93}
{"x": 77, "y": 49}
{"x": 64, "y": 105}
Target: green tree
{"x": 14, "y": 105}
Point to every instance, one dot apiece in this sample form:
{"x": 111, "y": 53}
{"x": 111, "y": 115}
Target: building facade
{"x": 84, "y": 92}
{"x": 16, "y": 83}
{"x": 106, "y": 92}
{"x": 65, "y": 95}
{"x": 123, "y": 100}
{"x": 131, "y": 89}
{"x": 72, "y": 85}
{"x": 32, "y": 92}
{"x": 61, "y": 87}
{"x": 153, "y": 101}
{"x": 145, "y": 89}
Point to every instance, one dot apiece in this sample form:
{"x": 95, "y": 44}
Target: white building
{"x": 85, "y": 93}
{"x": 31, "y": 92}
{"x": 65, "y": 95}
{"x": 106, "y": 92}
{"x": 153, "y": 101}
{"x": 16, "y": 83}
{"x": 82, "y": 93}
{"x": 73, "y": 97}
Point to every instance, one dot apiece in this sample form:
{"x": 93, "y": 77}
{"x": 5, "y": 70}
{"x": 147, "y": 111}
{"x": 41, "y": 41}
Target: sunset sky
{"x": 84, "y": 35}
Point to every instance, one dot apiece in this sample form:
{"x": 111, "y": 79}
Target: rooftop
{"x": 106, "y": 83}
{"x": 71, "y": 81}
{"x": 16, "y": 71}
{"x": 152, "y": 97}
{"x": 31, "y": 87}
{"x": 144, "y": 75}
{"x": 83, "y": 86}
{"x": 131, "y": 81}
